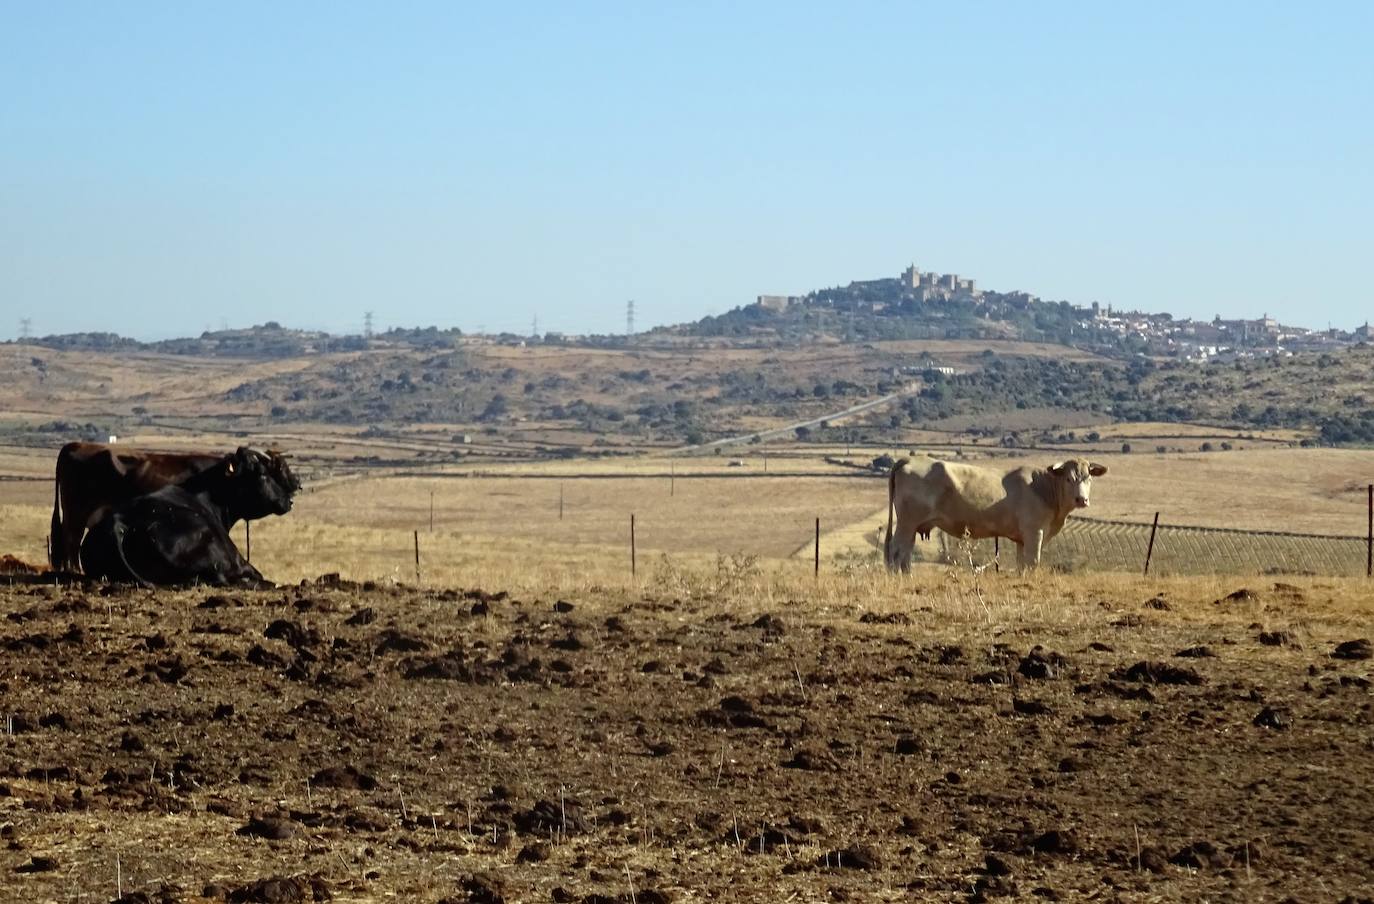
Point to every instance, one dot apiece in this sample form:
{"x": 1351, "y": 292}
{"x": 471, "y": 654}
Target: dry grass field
{"x": 361, "y": 525}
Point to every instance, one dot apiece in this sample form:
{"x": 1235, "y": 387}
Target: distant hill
{"x": 269, "y": 340}
{"x": 921, "y": 305}
{"x": 877, "y": 310}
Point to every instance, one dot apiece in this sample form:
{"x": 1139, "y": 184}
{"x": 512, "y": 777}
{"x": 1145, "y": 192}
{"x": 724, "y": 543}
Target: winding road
{"x": 909, "y": 389}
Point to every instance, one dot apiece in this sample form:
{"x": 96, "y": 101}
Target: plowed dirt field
{"x": 358, "y": 743}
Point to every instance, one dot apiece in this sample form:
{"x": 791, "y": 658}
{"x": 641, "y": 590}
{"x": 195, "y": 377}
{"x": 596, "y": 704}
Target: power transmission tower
{"x": 534, "y": 326}
{"x": 630, "y": 317}
{"x": 25, "y": 324}
{"x": 367, "y": 324}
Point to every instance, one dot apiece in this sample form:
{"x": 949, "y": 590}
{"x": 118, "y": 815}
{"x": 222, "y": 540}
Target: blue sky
{"x": 165, "y": 168}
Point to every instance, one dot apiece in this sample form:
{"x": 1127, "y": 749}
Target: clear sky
{"x": 169, "y": 167}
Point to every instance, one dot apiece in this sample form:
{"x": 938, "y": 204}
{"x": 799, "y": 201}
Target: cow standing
{"x": 93, "y": 477}
{"x": 1026, "y": 505}
{"x": 180, "y": 534}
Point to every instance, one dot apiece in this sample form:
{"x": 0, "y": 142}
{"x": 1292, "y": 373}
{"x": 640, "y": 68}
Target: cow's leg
{"x": 1036, "y": 540}
{"x": 903, "y": 539}
{"x": 73, "y": 528}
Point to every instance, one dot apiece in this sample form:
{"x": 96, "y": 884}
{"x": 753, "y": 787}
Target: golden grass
{"x": 739, "y": 582}
{"x": 294, "y": 548}
{"x": 764, "y": 516}
{"x": 749, "y": 535}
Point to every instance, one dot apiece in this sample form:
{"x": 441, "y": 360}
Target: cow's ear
{"x": 1058, "y": 468}
{"x": 1097, "y": 470}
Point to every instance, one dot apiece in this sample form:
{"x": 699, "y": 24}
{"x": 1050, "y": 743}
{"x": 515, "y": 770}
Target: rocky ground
{"x": 347, "y": 743}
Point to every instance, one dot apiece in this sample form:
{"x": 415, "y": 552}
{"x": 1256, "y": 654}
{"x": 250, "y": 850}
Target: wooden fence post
{"x": 818, "y": 548}
{"x": 1150, "y": 550}
{"x": 633, "y": 566}
{"x": 417, "y": 557}
{"x": 560, "y": 500}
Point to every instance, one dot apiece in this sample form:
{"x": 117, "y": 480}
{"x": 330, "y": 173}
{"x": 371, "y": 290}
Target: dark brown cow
{"x": 180, "y": 534}
{"x": 94, "y": 477}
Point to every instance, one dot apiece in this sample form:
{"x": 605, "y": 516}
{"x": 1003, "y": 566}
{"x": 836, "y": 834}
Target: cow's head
{"x": 257, "y": 484}
{"x": 1075, "y": 478}
{"x": 282, "y": 471}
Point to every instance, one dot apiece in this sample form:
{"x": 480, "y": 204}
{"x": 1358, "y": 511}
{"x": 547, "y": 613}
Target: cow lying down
{"x": 93, "y": 477}
{"x": 1026, "y": 505}
{"x": 180, "y": 534}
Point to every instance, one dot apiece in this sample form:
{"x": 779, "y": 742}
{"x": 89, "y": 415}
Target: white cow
{"x": 1026, "y": 505}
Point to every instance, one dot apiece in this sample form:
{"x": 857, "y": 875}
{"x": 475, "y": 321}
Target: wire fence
{"x": 1091, "y": 544}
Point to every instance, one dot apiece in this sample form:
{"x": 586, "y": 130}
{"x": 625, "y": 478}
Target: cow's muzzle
{"x": 1080, "y": 502}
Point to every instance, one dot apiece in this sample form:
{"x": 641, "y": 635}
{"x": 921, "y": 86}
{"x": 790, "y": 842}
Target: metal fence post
{"x": 417, "y": 557}
{"x": 1150, "y": 550}
{"x": 1369, "y": 537}
{"x": 633, "y": 567}
{"x": 248, "y": 541}
{"x": 817, "y": 572}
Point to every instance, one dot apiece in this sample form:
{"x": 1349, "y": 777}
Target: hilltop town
{"x": 953, "y": 306}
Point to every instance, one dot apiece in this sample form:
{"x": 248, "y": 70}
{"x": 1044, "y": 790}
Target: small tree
{"x": 1205, "y": 447}
{"x": 1126, "y": 448}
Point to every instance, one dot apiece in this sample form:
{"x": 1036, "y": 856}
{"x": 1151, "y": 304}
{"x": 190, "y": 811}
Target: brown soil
{"x": 376, "y": 744}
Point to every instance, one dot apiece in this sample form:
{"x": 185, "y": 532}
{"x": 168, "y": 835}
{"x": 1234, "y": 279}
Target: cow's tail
{"x": 891, "y": 492}
{"x": 118, "y": 530}
{"x": 56, "y": 551}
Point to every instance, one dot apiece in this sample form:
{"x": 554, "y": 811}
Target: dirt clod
{"x": 1354, "y": 649}
{"x": 484, "y": 888}
{"x": 1157, "y": 673}
{"x": 1055, "y": 841}
{"x": 1201, "y": 651}
{"x": 347, "y": 777}
{"x": 1201, "y": 855}
{"x": 1041, "y": 664}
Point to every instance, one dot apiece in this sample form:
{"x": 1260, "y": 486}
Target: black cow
{"x": 93, "y": 477}
{"x": 180, "y": 534}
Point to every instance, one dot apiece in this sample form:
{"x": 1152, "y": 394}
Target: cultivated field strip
{"x": 1101, "y": 545}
